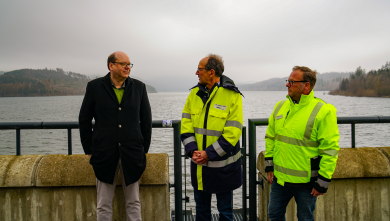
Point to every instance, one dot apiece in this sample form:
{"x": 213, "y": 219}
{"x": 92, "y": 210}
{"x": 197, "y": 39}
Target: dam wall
{"x": 63, "y": 188}
{"x": 360, "y": 188}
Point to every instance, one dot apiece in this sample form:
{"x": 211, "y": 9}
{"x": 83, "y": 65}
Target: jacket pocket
{"x": 218, "y": 114}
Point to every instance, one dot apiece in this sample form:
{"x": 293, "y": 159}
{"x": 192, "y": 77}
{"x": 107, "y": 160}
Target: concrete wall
{"x": 360, "y": 188}
{"x": 63, "y": 188}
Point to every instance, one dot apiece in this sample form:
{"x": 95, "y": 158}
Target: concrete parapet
{"x": 360, "y": 187}
{"x": 62, "y": 187}
{"x": 18, "y": 171}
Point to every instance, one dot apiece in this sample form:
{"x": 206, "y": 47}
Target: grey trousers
{"x": 105, "y": 195}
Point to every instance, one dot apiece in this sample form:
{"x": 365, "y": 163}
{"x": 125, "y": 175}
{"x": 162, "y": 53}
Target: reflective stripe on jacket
{"x": 214, "y": 124}
{"x": 302, "y": 142}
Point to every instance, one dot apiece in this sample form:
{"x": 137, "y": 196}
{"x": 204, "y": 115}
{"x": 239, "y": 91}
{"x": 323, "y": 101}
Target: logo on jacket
{"x": 220, "y": 107}
{"x": 279, "y": 117}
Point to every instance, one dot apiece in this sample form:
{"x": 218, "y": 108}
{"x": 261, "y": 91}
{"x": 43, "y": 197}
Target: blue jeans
{"x": 280, "y": 196}
{"x": 203, "y": 205}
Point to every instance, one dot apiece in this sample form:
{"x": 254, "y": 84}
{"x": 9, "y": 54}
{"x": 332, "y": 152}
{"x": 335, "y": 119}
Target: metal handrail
{"x": 75, "y": 125}
{"x": 252, "y": 123}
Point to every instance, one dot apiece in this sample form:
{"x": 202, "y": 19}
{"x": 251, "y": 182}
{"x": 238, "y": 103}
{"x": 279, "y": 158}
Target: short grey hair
{"x": 215, "y": 62}
{"x": 308, "y": 75}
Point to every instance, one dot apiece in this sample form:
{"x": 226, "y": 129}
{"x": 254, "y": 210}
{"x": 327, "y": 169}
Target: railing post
{"x": 178, "y": 173}
{"x": 353, "y": 134}
{"x": 244, "y": 155}
{"x": 18, "y": 142}
{"x": 252, "y": 171}
{"x": 69, "y": 141}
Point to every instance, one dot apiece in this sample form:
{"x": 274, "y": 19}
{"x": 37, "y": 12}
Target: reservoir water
{"x": 165, "y": 106}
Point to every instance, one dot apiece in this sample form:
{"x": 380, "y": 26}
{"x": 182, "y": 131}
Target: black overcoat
{"x": 121, "y": 130}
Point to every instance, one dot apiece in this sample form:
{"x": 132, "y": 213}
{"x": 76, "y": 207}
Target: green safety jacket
{"x": 302, "y": 142}
{"x": 213, "y": 123}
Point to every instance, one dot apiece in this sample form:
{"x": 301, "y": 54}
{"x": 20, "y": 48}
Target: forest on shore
{"x": 375, "y": 83}
{"x": 42, "y": 82}
{"x": 45, "y": 82}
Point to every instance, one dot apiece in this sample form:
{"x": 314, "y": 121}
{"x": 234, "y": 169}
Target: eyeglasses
{"x": 292, "y": 82}
{"x": 124, "y": 64}
{"x": 201, "y": 69}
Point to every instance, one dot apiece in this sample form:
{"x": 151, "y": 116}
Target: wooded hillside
{"x": 376, "y": 83}
{"x": 45, "y": 82}
{"x": 42, "y": 82}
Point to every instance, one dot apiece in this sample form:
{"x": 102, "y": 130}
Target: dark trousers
{"x": 281, "y": 195}
{"x": 203, "y": 205}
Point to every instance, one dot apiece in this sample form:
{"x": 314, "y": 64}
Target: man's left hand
{"x": 315, "y": 193}
{"x": 203, "y": 154}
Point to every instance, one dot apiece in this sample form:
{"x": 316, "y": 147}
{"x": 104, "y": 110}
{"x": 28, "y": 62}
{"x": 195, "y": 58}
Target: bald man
{"x": 121, "y": 135}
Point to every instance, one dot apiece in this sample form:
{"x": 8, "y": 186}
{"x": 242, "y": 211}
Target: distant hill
{"x": 150, "y": 89}
{"x": 45, "y": 82}
{"x": 373, "y": 84}
{"x": 41, "y": 82}
{"x": 2, "y": 72}
{"x": 325, "y": 82}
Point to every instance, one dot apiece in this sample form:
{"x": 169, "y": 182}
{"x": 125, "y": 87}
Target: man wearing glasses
{"x": 120, "y": 137}
{"x": 301, "y": 147}
{"x": 211, "y": 127}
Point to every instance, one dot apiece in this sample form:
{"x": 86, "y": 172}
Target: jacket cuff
{"x": 322, "y": 184}
{"x": 87, "y": 151}
{"x": 269, "y": 169}
{"x": 269, "y": 164}
{"x": 190, "y": 150}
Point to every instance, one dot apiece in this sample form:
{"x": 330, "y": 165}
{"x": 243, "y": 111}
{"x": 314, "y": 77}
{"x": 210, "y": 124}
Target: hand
{"x": 203, "y": 154}
{"x": 89, "y": 155}
{"x": 196, "y": 156}
{"x": 270, "y": 175}
{"x": 315, "y": 193}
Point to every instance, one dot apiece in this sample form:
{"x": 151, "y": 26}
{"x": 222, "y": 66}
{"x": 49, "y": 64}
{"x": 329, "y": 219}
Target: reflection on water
{"x": 256, "y": 104}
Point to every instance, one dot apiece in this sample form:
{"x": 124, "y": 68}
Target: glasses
{"x": 292, "y": 82}
{"x": 201, "y": 69}
{"x": 124, "y": 64}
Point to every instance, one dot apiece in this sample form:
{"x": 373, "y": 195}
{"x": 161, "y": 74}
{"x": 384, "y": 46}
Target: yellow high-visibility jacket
{"x": 302, "y": 142}
{"x": 213, "y": 122}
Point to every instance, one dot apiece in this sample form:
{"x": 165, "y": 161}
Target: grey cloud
{"x": 166, "y": 39}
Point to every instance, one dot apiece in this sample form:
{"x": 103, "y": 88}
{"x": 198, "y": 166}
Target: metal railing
{"x": 252, "y": 123}
{"x": 175, "y": 124}
{"x": 156, "y": 124}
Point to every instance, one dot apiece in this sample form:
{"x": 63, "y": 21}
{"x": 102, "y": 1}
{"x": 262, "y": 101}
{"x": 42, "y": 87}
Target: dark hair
{"x": 111, "y": 59}
{"x": 308, "y": 75}
{"x": 215, "y": 62}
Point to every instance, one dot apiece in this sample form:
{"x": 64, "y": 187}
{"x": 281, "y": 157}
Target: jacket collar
{"x": 305, "y": 99}
{"x": 108, "y": 85}
{"x": 224, "y": 82}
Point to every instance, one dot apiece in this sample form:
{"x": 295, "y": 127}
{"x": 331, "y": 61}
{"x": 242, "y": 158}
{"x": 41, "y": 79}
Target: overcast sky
{"x": 166, "y": 39}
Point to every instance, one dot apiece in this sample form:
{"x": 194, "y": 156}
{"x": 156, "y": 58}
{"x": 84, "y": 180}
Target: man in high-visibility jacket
{"x": 211, "y": 127}
{"x": 301, "y": 147}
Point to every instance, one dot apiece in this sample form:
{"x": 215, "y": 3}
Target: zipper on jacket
{"x": 205, "y": 125}
{"x": 205, "y": 118}
{"x": 285, "y": 119}
{"x": 208, "y": 96}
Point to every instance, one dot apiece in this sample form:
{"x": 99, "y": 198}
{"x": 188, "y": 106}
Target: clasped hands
{"x": 200, "y": 157}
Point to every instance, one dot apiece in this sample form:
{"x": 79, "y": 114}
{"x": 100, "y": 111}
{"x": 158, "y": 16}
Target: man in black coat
{"x": 121, "y": 135}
